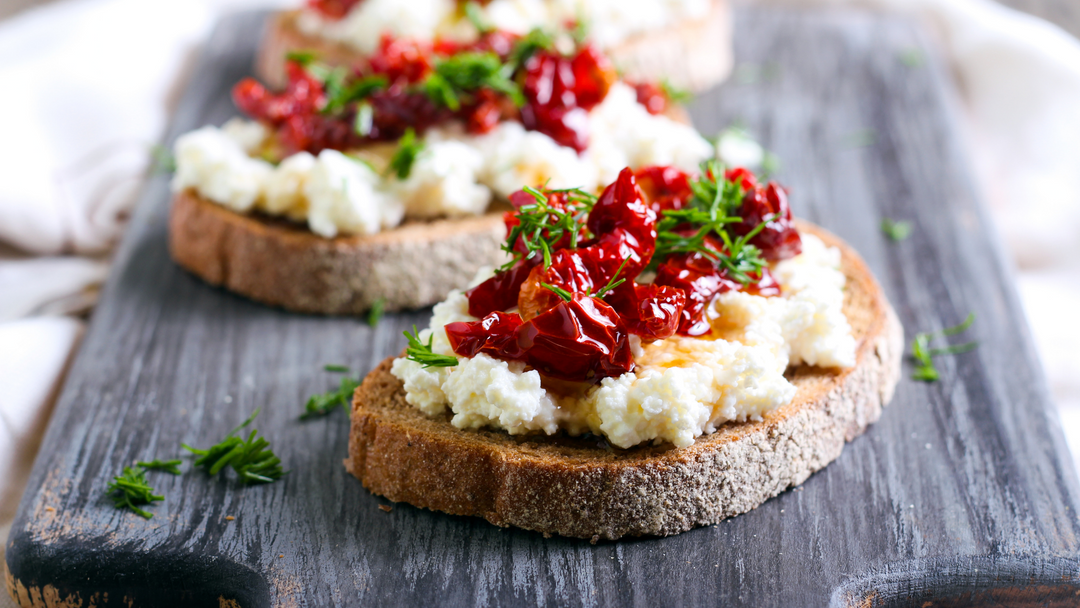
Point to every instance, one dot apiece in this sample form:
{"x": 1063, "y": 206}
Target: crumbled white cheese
{"x": 686, "y": 387}
{"x": 364, "y": 25}
{"x": 343, "y": 198}
{"x": 681, "y": 387}
{"x": 215, "y": 165}
{"x": 484, "y": 391}
{"x": 442, "y": 182}
{"x": 250, "y": 135}
{"x": 815, "y": 326}
{"x": 620, "y": 125}
{"x": 284, "y": 188}
{"x": 516, "y": 158}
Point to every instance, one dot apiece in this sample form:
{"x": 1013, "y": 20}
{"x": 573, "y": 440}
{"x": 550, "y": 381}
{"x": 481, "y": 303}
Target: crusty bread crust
{"x": 584, "y": 488}
{"x": 284, "y": 264}
{"x": 695, "y": 55}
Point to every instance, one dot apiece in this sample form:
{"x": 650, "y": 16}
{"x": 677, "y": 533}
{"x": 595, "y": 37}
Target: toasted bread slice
{"x": 284, "y": 264}
{"x": 584, "y": 488}
{"x": 695, "y": 55}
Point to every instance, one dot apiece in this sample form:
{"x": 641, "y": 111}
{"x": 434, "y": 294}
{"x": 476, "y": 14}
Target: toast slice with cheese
{"x": 695, "y": 55}
{"x": 281, "y": 263}
{"x": 583, "y": 487}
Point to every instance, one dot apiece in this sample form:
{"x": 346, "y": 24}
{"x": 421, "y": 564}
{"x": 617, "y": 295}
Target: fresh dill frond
{"x": 324, "y": 403}
{"x": 169, "y": 466}
{"x": 251, "y": 458}
{"x": 459, "y": 75}
{"x": 409, "y": 147}
{"x": 923, "y": 354}
{"x": 896, "y": 230}
{"x": 376, "y": 312}
{"x": 541, "y": 225}
{"x": 130, "y": 489}
{"x": 164, "y": 160}
{"x": 422, "y": 353}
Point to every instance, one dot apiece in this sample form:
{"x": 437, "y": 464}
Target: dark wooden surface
{"x": 961, "y": 493}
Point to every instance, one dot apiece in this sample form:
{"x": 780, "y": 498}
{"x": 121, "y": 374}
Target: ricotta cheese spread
{"x": 681, "y": 387}
{"x": 610, "y": 21}
{"x": 454, "y": 175}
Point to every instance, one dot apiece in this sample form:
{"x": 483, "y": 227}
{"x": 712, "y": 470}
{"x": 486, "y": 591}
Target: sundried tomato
{"x": 650, "y": 311}
{"x": 500, "y": 292}
{"x": 495, "y": 335}
{"x": 744, "y": 177}
{"x": 779, "y": 239}
{"x": 401, "y": 59}
{"x": 698, "y": 277}
{"x": 621, "y": 206}
{"x": 664, "y": 187}
{"x": 559, "y": 91}
{"x": 334, "y": 9}
{"x": 580, "y": 340}
{"x": 651, "y": 96}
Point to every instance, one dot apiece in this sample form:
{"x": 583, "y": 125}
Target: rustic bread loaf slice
{"x": 695, "y": 55}
{"x": 584, "y": 488}
{"x": 285, "y": 264}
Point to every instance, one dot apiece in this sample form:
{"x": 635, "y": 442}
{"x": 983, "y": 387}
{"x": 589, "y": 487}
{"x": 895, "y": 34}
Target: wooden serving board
{"x": 962, "y": 492}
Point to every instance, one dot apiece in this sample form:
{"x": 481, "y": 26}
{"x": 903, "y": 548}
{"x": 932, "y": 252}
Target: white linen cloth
{"x": 87, "y": 91}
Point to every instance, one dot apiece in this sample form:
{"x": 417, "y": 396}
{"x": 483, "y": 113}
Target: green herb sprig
{"x": 376, "y": 312}
{"x": 168, "y": 466}
{"x": 897, "y": 230}
{"x": 541, "y": 225}
{"x": 455, "y": 78}
{"x": 131, "y": 489}
{"x": 409, "y": 147}
{"x": 251, "y": 458}
{"x": 324, "y": 403}
{"x": 422, "y": 353}
{"x": 923, "y": 354}
{"x": 712, "y": 208}
{"x": 535, "y": 41}
{"x": 559, "y": 291}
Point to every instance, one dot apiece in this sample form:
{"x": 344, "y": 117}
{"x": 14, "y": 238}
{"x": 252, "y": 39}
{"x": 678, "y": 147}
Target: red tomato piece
{"x": 664, "y": 187}
{"x": 779, "y": 240}
{"x": 582, "y": 340}
{"x": 495, "y": 335}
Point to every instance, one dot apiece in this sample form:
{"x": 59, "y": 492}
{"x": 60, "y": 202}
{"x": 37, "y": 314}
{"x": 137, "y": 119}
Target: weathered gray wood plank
{"x": 962, "y": 492}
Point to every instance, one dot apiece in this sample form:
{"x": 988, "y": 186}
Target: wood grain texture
{"x": 961, "y": 493}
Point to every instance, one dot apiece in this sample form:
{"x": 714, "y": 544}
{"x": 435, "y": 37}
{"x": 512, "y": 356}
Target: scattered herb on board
{"x": 376, "y": 312}
{"x": 323, "y": 404}
{"x": 164, "y": 161}
{"x": 923, "y": 354}
{"x": 169, "y": 466}
{"x": 896, "y": 230}
{"x": 422, "y": 353}
{"x": 912, "y": 58}
{"x": 131, "y": 489}
{"x": 251, "y": 458}
{"x": 408, "y": 149}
